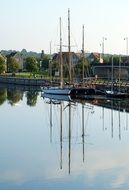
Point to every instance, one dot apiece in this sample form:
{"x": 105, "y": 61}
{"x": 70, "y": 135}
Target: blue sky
{"x": 32, "y": 24}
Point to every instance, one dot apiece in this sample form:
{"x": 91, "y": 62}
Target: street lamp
{"x": 126, "y": 39}
{"x": 103, "y": 40}
{"x": 102, "y": 45}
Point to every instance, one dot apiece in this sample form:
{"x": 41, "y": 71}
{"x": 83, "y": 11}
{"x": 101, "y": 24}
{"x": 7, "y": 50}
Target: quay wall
{"x": 24, "y": 81}
{"x": 99, "y": 84}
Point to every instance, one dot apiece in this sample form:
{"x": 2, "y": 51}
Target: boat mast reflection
{"x": 83, "y": 133}
{"x": 112, "y": 119}
{"x": 61, "y": 134}
{"x": 119, "y": 123}
{"x": 50, "y": 122}
{"x": 112, "y": 107}
{"x": 69, "y": 106}
{"x": 69, "y": 135}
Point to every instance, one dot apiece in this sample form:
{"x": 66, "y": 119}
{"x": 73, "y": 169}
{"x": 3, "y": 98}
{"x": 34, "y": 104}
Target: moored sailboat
{"x": 61, "y": 90}
{"x": 69, "y": 90}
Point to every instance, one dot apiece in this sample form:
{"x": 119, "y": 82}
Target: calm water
{"x": 62, "y": 145}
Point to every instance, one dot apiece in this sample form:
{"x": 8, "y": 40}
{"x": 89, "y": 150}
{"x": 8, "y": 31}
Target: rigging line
{"x": 74, "y": 40}
{"x": 86, "y": 123}
{"x": 55, "y": 39}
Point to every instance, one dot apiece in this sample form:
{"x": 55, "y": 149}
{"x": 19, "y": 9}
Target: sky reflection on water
{"x": 36, "y": 154}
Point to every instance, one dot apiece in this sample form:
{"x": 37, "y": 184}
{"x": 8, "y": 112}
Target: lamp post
{"x": 126, "y": 39}
{"x": 102, "y": 45}
{"x": 103, "y": 40}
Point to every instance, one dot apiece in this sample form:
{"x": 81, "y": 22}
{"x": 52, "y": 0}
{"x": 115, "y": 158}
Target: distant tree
{"x": 96, "y": 61}
{"x": 2, "y": 65}
{"x": 13, "y": 65}
{"x": 45, "y": 62}
{"x": 31, "y": 64}
{"x": 116, "y": 60}
{"x": 106, "y": 59}
{"x": 42, "y": 54}
{"x": 55, "y": 67}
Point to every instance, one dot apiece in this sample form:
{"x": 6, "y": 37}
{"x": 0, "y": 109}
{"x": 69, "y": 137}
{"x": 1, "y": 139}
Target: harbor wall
{"x": 24, "y": 81}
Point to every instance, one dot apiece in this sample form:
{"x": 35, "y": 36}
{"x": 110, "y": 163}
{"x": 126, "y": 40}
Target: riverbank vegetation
{"x": 24, "y": 65}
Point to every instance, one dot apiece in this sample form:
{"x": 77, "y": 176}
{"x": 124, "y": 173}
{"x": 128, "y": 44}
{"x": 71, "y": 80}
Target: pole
{"x": 119, "y": 71}
{"x": 83, "y": 54}
{"x": 126, "y": 39}
{"x": 61, "y": 61}
{"x": 50, "y": 63}
{"x": 103, "y": 46}
{"x": 69, "y": 47}
{"x": 112, "y": 86}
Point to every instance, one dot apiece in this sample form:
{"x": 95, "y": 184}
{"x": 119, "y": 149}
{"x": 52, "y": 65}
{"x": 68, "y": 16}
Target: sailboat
{"x": 62, "y": 89}
{"x": 116, "y": 93}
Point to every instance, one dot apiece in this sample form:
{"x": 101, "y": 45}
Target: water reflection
{"x": 56, "y": 144}
{"x": 66, "y": 111}
{"x": 3, "y": 95}
{"x": 13, "y": 94}
{"x": 32, "y": 98}
{"x": 113, "y": 115}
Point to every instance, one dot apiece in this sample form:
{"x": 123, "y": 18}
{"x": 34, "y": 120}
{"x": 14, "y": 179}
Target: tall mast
{"x": 119, "y": 71}
{"x": 69, "y": 47}
{"x": 83, "y": 53}
{"x": 112, "y": 86}
{"x": 50, "y": 63}
{"x": 61, "y": 60}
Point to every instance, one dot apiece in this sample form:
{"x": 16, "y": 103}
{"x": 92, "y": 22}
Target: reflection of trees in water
{"x": 14, "y": 96}
{"x": 3, "y": 95}
{"x": 32, "y": 98}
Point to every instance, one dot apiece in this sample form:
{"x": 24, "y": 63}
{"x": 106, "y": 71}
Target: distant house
{"x": 19, "y": 57}
{"x": 94, "y": 58}
{"x": 65, "y": 56}
{"x": 74, "y": 59}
